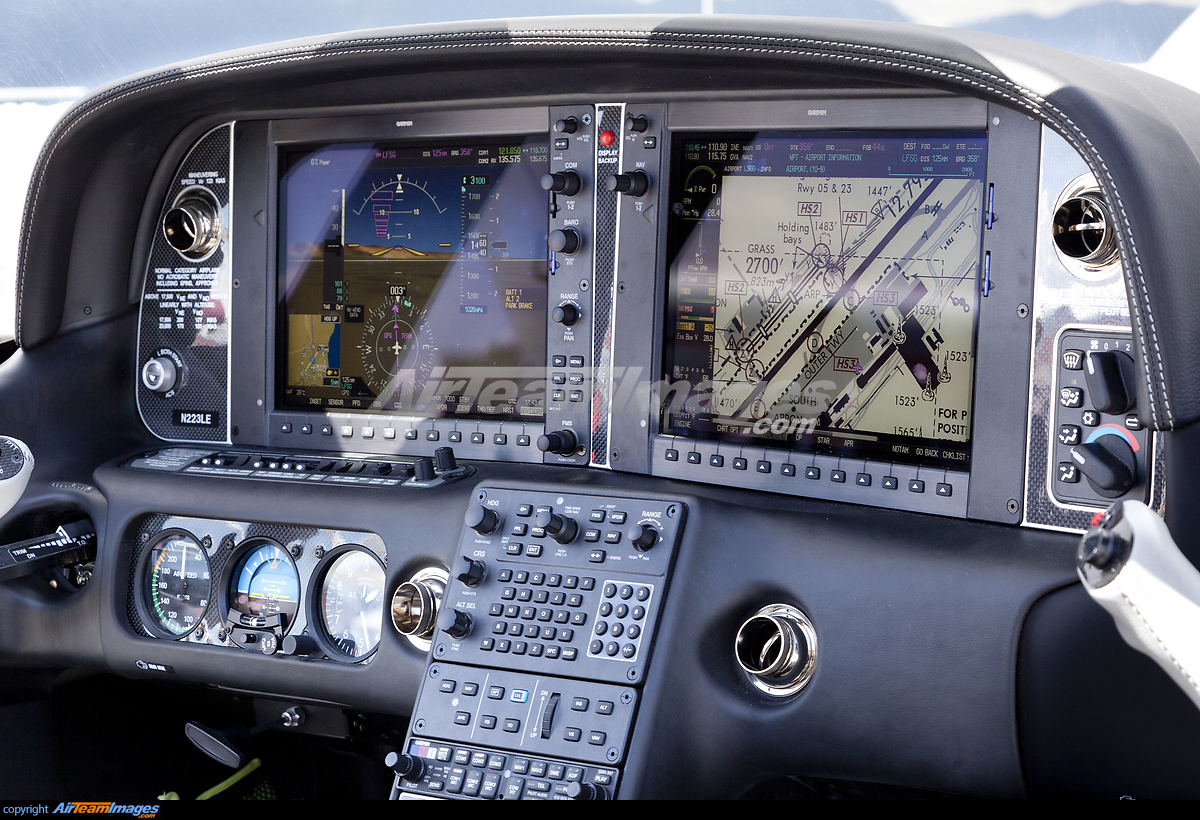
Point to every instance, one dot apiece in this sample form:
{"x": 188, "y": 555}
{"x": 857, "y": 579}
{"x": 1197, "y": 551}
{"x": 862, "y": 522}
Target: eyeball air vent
{"x": 1083, "y": 230}
{"x": 777, "y": 650}
{"x": 415, "y": 605}
{"x": 192, "y": 226}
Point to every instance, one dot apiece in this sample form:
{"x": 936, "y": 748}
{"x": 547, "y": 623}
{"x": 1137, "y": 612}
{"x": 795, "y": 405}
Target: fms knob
{"x": 561, "y": 528}
{"x": 642, "y": 536}
{"x": 481, "y": 519}
{"x": 564, "y": 241}
{"x": 159, "y": 374}
{"x": 635, "y": 183}
{"x": 566, "y": 183}
{"x": 561, "y": 443}
{"x": 565, "y": 314}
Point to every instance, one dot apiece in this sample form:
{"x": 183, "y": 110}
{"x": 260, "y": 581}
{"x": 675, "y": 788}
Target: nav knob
{"x": 1108, "y": 463}
{"x": 1111, "y": 381}
{"x": 474, "y": 574}
{"x": 561, "y": 528}
{"x": 159, "y": 374}
{"x": 586, "y": 791}
{"x": 481, "y": 519}
{"x": 456, "y": 624}
{"x": 642, "y": 536}
{"x": 635, "y": 183}
{"x": 565, "y": 314}
{"x": 561, "y": 443}
{"x": 568, "y": 125}
{"x": 637, "y": 123}
{"x": 564, "y": 241}
{"x": 409, "y": 767}
{"x": 566, "y": 183}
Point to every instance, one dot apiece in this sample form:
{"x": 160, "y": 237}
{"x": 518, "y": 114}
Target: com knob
{"x": 635, "y": 183}
{"x": 1111, "y": 380}
{"x": 564, "y": 241}
{"x": 565, "y": 314}
{"x": 561, "y": 528}
{"x": 160, "y": 374}
{"x": 456, "y": 624}
{"x": 566, "y": 183}
{"x": 409, "y": 767}
{"x": 561, "y": 442}
{"x": 642, "y": 536}
{"x": 474, "y": 574}
{"x": 1108, "y": 463}
{"x": 481, "y": 519}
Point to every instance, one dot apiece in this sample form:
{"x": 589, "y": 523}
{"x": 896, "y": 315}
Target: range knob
{"x": 423, "y": 469}
{"x": 565, "y": 314}
{"x": 642, "y": 536}
{"x": 566, "y": 183}
{"x": 1108, "y": 463}
{"x": 564, "y": 241}
{"x": 635, "y": 183}
{"x": 474, "y": 573}
{"x": 409, "y": 767}
{"x": 561, "y": 528}
{"x": 586, "y": 791}
{"x": 481, "y": 519}
{"x": 159, "y": 374}
{"x": 637, "y": 123}
{"x": 567, "y": 125}
{"x": 456, "y": 624}
{"x": 561, "y": 443}
{"x": 1111, "y": 381}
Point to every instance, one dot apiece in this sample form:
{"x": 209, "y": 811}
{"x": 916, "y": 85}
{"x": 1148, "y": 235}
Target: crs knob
{"x": 561, "y": 443}
{"x": 561, "y": 528}
{"x": 566, "y": 183}
{"x": 642, "y": 536}
{"x": 564, "y": 241}
{"x": 474, "y": 573}
{"x": 160, "y": 374}
{"x": 635, "y": 183}
{"x": 456, "y": 624}
{"x": 481, "y": 519}
{"x": 565, "y": 314}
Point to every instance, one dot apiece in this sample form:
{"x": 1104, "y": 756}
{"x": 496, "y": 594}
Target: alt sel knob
{"x": 456, "y": 624}
{"x": 564, "y": 241}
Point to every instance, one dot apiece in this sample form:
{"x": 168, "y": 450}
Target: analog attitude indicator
{"x": 265, "y": 583}
{"x": 350, "y": 604}
{"x": 176, "y": 583}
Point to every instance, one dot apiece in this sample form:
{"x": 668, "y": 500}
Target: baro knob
{"x": 566, "y": 183}
{"x": 473, "y": 575}
{"x": 481, "y": 519}
{"x": 561, "y": 442}
{"x": 564, "y": 241}
{"x": 456, "y": 624}
{"x": 565, "y": 314}
{"x": 409, "y": 767}
{"x": 642, "y": 536}
{"x": 559, "y": 527}
{"x": 635, "y": 183}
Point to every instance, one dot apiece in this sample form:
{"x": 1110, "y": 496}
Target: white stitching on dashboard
{"x": 967, "y": 74}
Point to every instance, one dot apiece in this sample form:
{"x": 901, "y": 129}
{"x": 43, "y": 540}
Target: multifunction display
{"x": 823, "y": 290}
{"x": 413, "y": 278}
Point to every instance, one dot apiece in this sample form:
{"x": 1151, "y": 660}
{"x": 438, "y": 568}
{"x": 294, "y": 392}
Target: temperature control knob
{"x": 409, "y": 767}
{"x": 565, "y": 314}
{"x": 474, "y": 574}
{"x": 642, "y": 536}
{"x": 1108, "y": 463}
{"x": 481, "y": 519}
{"x": 160, "y": 374}
{"x": 561, "y": 443}
{"x": 635, "y": 183}
{"x": 566, "y": 183}
{"x": 456, "y": 624}
{"x": 1111, "y": 381}
{"x": 564, "y": 241}
{"x": 561, "y": 528}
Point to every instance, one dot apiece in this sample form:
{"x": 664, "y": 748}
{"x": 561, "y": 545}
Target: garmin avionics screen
{"x": 823, "y": 289}
{"x": 413, "y": 278}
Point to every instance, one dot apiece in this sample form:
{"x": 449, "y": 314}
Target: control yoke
{"x": 1131, "y": 566}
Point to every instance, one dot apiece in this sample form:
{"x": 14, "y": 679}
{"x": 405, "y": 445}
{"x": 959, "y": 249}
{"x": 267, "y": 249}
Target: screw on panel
{"x": 613, "y": 754}
{"x": 632, "y": 673}
{"x": 620, "y": 287}
{"x": 583, "y": 284}
{"x": 672, "y": 511}
{"x": 627, "y": 697}
{"x": 87, "y": 311}
{"x": 1013, "y": 506}
{"x": 296, "y": 550}
{"x": 145, "y": 537}
{"x": 319, "y": 553}
{"x": 481, "y": 496}
{"x": 420, "y": 725}
{"x": 237, "y": 283}
{"x": 434, "y": 671}
{"x": 440, "y": 650}
{"x": 616, "y": 455}
{"x": 1022, "y": 310}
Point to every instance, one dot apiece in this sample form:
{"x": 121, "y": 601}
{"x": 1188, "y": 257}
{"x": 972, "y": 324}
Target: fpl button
{"x": 1070, "y": 397}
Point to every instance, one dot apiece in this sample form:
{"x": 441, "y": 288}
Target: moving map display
{"x": 413, "y": 278}
{"x": 824, "y": 289}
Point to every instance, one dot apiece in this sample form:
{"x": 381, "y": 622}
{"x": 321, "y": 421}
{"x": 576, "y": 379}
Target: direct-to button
{"x": 1068, "y": 434}
{"x": 558, "y": 361}
{"x": 1070, "y": 396}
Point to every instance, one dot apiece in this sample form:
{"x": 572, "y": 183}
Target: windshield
{"x": 54, "y": 51}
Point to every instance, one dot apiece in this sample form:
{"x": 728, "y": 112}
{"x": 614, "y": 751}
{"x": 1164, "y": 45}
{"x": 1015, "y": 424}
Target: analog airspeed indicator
{"x": 175, "y": 584}
{"x": 348, "y": 605}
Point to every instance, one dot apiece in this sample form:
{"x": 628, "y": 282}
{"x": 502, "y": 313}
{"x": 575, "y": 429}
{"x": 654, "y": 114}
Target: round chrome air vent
{"x": 415, "y": 605}
{"x": 1083, "y": 230}
{"x": 192, "y": 225}
{"x": 777, "y": 650}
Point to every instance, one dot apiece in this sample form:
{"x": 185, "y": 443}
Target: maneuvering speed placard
{"x": 824, "y": 289}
